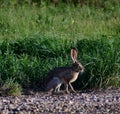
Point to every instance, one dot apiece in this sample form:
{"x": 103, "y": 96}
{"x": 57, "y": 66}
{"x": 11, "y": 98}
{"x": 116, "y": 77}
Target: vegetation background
{"x": 37, "y": 35}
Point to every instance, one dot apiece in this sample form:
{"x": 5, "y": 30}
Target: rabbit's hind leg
{"x": 56, "y": 89}
{"x": 55, "y": 84}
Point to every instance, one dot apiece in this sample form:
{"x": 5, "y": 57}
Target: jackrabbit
{"x": 64, "y": 75}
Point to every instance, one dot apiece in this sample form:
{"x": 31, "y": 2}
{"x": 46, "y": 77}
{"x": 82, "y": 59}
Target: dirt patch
{"x": 92, "y": 102}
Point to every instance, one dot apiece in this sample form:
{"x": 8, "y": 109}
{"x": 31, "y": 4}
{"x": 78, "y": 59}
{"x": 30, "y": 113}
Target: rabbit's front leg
{"x": 70, "y": 85}
{"x": 66, "y": 88}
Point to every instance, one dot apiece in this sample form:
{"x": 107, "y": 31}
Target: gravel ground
{"x": 92, "y": 102}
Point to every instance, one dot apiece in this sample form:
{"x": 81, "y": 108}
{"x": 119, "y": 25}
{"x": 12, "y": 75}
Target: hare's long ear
{"x": 74, "y": 54}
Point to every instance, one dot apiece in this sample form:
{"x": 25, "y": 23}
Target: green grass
{"x": 34, "y": 40}
{"x": 29, "y": 60}
{"x": 66, "y": 21}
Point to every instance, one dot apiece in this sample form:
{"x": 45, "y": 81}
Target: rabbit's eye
{"x": 77, "y": 67}
{"x": 80, "y": 66}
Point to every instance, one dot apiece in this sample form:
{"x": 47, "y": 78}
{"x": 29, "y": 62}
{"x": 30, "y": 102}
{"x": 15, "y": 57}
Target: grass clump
{"x": 10, "y": 87}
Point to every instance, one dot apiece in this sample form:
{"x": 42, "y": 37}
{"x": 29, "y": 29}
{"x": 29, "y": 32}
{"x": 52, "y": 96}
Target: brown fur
{"x": 64, "y": 75}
